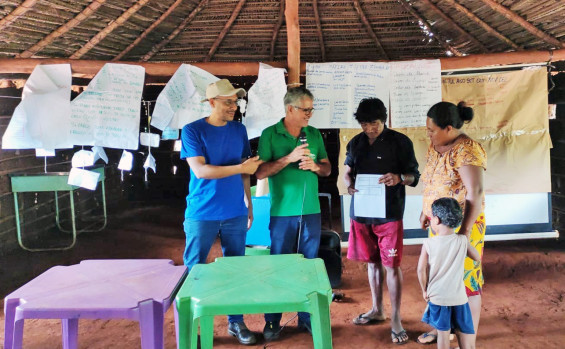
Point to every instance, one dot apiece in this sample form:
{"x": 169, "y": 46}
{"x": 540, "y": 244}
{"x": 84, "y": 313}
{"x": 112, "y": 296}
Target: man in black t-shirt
{"x": 378, "y": 241}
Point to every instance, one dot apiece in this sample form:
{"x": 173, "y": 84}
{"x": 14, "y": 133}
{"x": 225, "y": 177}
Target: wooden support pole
{"x": 293, "y": 42}
{"x": 483, "y": 24}
{"x": 109, "y": 28}
{"x": 148, "y": 30}
{"x": 84, "y": 14}
{"x": 224, "y": 31}
{"x": 521, "y": 21}
{"x": 276, "y": 30}
{"x": 17, "y": 13}
{"x": 87, "y": 69}
{"x": 456, "y": 26}
{"x": 175, "y": 32}
{"x": 319, "y": 29}
{"x": 369, "y": 28}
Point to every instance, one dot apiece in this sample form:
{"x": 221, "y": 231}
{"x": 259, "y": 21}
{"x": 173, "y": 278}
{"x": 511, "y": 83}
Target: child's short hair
{"x": 448, "y": 211}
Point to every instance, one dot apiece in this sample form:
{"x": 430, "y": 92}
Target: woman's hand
{"x": 424, "y": 221}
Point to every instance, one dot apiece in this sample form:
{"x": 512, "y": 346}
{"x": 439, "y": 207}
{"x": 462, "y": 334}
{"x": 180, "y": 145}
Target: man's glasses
{"x": 229, "y": 102}
{"x": 305, "y": 110}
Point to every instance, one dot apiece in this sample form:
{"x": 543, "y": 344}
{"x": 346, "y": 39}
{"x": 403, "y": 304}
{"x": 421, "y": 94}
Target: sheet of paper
{"x": 339, "y": 87}
{"x": 83, "y": 158}
{"x": 370, "y": 200}
{"x": 42, "y": 118}
{"x": 149, "y": 139}
{"x": 99, "y": 153}
{"x": 107, "y": 114}
{"x": 266, "y": 105}
{"x": 150, "y": 163}
{"x": 178, "y": 145}
{"x": 180, "y": 101}
{"x": 83, "y": 178}
{"x": 126, "y": 161}
{"x": 44, "y": 152}
{"x": 414, "y": 87}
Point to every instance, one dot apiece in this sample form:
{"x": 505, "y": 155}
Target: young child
{"x": 440, "y": 272}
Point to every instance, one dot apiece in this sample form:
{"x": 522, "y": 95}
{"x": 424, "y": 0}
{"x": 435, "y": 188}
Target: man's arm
{"x": 322, "y": 168}
{"x": 247, "y": 199}
{"x": 348, "y": 180}
{"x": 206, "y": 171}
{"x": 423, "y": 272}
{"x": 268, "y": 169}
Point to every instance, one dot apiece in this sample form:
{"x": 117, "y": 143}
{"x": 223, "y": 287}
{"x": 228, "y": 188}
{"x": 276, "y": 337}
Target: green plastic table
{"x": 252, "y": 285}
{"x": 55, "y": 182}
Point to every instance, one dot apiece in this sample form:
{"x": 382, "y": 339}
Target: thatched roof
{"x": 255, "y": 30}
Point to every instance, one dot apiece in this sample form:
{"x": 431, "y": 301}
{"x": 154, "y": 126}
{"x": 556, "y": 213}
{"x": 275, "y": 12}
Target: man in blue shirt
{"x": 219, "y": 199}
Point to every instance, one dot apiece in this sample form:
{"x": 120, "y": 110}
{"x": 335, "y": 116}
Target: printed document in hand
{"x": 369, "y": 201}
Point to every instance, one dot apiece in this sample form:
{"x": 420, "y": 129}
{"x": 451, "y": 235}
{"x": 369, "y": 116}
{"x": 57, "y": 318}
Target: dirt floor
{"x": 523, "y": 306}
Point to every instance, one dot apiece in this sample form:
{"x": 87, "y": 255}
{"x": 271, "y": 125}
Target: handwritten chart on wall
{"x": 180, "y": 101}
{"x": 41, "y": 120}
{"x": 415, "y": 87}
{"x": 339, "y": 87}
{"x": 107, "y": 113}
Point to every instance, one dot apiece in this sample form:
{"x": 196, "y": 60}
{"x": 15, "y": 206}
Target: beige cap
{"x": 222, "y": 88}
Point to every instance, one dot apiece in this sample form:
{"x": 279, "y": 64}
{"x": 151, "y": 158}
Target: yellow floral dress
{"x": 441, "y": 179}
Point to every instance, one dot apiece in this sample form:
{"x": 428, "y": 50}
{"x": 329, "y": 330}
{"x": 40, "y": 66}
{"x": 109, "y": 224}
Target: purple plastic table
{"x": 136, "y": 289}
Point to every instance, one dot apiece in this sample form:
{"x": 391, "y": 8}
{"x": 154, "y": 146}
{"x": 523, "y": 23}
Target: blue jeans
{"x": 200, "y": 236}
{"x": 285, "y": 239}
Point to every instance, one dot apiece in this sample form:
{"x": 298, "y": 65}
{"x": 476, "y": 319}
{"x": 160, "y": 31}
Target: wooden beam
{"x": 224, "y": 31}
{"x": 293, "y": 42}
{"x": 424, "y": 23}
{"x": 148, "y": 30}
{"x": 175, "y": 32}
{"x": 369, "y": 28}
{"x": 110, "y": 28}
{"x": 509, "y": 14}
{"x": 87, "y": 68}
{"x": 84, "y": 14}
{"x": 276, "y": 30}
{"x": 483, "y": 24}
{"x": 452, "y": 23}
{"x": 319, "y": 29}
{"x": 16, "y": 13}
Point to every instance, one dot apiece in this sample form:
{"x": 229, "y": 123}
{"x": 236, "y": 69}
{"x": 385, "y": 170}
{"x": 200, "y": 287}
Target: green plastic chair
{"x": 253, "y": 285}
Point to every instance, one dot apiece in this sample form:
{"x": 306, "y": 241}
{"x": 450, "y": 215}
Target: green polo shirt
{"x": 287, "y": 186}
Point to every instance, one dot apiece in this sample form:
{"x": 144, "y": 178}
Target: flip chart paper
{"x": 126, "y": 161}
{"x": 339, "y": 87}
{"x": 83, "y": 178}
{"x": 180, "y": 101}
{"x": 42, "y": 118}
{"x": 149, "y": 139}
{"x": 370, "y": 200}
{"x": 415, "y": 87}
{"x": 266, "y": 105}
{"x": 107, "y": 113}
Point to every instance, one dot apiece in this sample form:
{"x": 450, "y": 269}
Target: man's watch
{"x": 402, "y": 178}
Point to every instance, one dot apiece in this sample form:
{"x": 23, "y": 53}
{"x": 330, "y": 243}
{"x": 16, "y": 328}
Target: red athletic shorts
{"x": 374, "y": 243}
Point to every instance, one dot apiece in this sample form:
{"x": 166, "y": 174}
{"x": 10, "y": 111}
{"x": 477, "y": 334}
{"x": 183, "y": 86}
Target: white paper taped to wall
{"x": 42, "y": 118}
{"x": 180, "y": 101}
{"x": 266, "y": 105}
{"x": 107, "y": 113}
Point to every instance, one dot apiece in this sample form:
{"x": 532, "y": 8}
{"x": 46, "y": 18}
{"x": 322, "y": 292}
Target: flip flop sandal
{"x": 427, "y": 338}
{"x": 397, "y": 337}
{"x": 363, "y": 320}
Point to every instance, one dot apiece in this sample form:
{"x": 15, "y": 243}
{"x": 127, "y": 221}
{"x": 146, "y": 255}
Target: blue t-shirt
{"x": 215, "y": 199}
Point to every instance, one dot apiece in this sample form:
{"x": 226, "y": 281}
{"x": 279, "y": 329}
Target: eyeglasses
{"x": 305, "y": 110}
{"x": 229, "y": 102}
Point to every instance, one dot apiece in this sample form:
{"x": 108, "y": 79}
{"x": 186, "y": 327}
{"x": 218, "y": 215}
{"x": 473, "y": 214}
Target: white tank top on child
{"x": 446, "y": 257}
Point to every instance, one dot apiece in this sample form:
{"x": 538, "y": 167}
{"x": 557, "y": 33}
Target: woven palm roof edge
{"x": 403, "y": 28}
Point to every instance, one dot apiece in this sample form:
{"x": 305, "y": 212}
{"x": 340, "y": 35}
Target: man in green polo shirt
{"x": 294, "y": 156}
